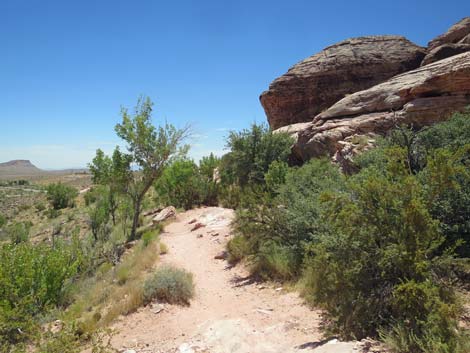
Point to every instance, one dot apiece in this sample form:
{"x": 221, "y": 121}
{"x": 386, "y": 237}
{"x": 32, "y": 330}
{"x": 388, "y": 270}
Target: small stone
{"x": 194, "y": 220}
{"x": 199, "y": 236}
{"x": 185, "y": 348}
{"x": 264, "y": 311}
{"x": 279, "y": 289}
{"x": 215, "y": 234}
{"x": 221, "y": 255}
{"x": 197, "y": 226}
{"x": 157, "y": 308}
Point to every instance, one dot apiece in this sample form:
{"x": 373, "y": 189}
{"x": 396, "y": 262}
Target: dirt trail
{"x": 229, "y": 313}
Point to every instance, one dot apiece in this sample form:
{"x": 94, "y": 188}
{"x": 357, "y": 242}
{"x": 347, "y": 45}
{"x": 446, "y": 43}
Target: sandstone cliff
{"x": 366, "y": 86}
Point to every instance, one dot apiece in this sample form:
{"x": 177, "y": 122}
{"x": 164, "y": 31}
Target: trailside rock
{"x": 445, "y": 51}
{"x": 453, "y": 35}
{"x": 317, "y": 82}
{"x": 166, "y": 213}
{"x": 420, "y": 97}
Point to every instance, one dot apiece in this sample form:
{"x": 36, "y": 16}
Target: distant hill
{"x": 19, "y": 167}
{"x": 24, "y": 168}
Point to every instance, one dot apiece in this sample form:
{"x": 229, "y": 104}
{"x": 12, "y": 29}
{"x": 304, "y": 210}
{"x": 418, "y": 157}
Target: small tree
{"x": 151, "y": 149}
{"x": 115, "y": 173}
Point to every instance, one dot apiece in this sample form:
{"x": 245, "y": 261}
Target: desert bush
{"x": 53, "y": 213}
{"x": 276, "y": 175}
{"x": 148, "y": 237}
{"x": 61, "y": 195}
{"x": 40, "y": 206}
{"x": 163, "y": 248}
{"x": 237, "y": 249}
{"x": 374, "y": 266}
{"x": 169, "y": 284}
{"x": 18, "y": 232}
{"x": 446, "y": 181}
{"x": 33, "y": 278}
{"x": 230, "y": 196}
{"x": 99, "y": 214}
{"x": 274, "y": 261}
{"x": 278, "y": 229}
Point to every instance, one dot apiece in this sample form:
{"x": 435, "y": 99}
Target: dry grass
{"x": 115, "y": 291}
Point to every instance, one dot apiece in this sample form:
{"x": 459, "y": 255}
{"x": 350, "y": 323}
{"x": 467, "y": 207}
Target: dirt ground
{"x": 230, "y": 312}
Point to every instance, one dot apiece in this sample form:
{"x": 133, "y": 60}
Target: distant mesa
{"x": 363, "y": 87}
{"x": 24, "y": 168}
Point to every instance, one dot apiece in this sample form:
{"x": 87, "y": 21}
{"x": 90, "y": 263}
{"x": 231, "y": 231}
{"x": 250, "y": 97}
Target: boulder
{"x": 419, "y": 97}
{"x": 166, "y": 213}
{"x": 319, "y": 81}
{"x": 445, "y": 51}
{"x": 453, "y": 35}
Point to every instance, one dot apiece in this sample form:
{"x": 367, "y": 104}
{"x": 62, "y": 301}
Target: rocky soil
{"x": 230, "y": 312}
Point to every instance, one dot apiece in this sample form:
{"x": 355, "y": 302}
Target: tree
{"x": 150, "y": 148}
{"x": 115, "y": 173}
{"x": 180, "y": 185}
{"x": 251, "y": 153}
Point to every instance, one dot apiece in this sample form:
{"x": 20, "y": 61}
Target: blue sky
{"x": 68, "y": 66}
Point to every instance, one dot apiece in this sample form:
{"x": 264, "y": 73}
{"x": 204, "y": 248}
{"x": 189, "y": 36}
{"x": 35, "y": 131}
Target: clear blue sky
{"x": 66, "y": 67}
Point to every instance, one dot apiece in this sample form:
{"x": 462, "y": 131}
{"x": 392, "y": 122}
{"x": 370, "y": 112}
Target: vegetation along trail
{"x": 230, "y": 312}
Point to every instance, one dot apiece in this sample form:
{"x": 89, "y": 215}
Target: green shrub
{"x": 53, "y": 213}
{"x": 230, "y": 196}
{"x": 276, "y": 262}
{"x": 19, "y": 232}
{"x": 237, "y": 248}
{"x": 40, "y": 206}
{"x": 61, "y": 195}
{"x": 3, "y": 220}
{"x": 33, "y": 279}
{"x": 169, "y": 284}
{"x": 374, "y": 264}
{"x": 99, "y": 214}
{"x": 276, "y": 175}
{"x": 148, "y": 237}
{"x": 277, "y": 230}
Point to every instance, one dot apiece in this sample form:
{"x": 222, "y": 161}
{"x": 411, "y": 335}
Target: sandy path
{"x": 228, "y": 314}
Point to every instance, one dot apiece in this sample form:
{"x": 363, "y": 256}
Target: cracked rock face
{"x": 419, "y": 96}
{"x": 317, "y": 82}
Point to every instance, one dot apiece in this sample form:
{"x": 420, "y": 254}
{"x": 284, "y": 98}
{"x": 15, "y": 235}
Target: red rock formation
{"x": 419, "y": 97}
{"x": 317, "y": 82}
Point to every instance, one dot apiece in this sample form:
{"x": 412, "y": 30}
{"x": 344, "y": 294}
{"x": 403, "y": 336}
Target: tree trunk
{"x": 135, "y": 220}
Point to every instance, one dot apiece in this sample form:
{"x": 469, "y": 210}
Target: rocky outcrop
{"x": 454, "y": 34}
{"x": 163, "y": 215}
{"x": 445, "y": 51}
{"x": 427, "y": 94}
{"x": 420, "y": 97}
{"x": 355, "y": 64}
